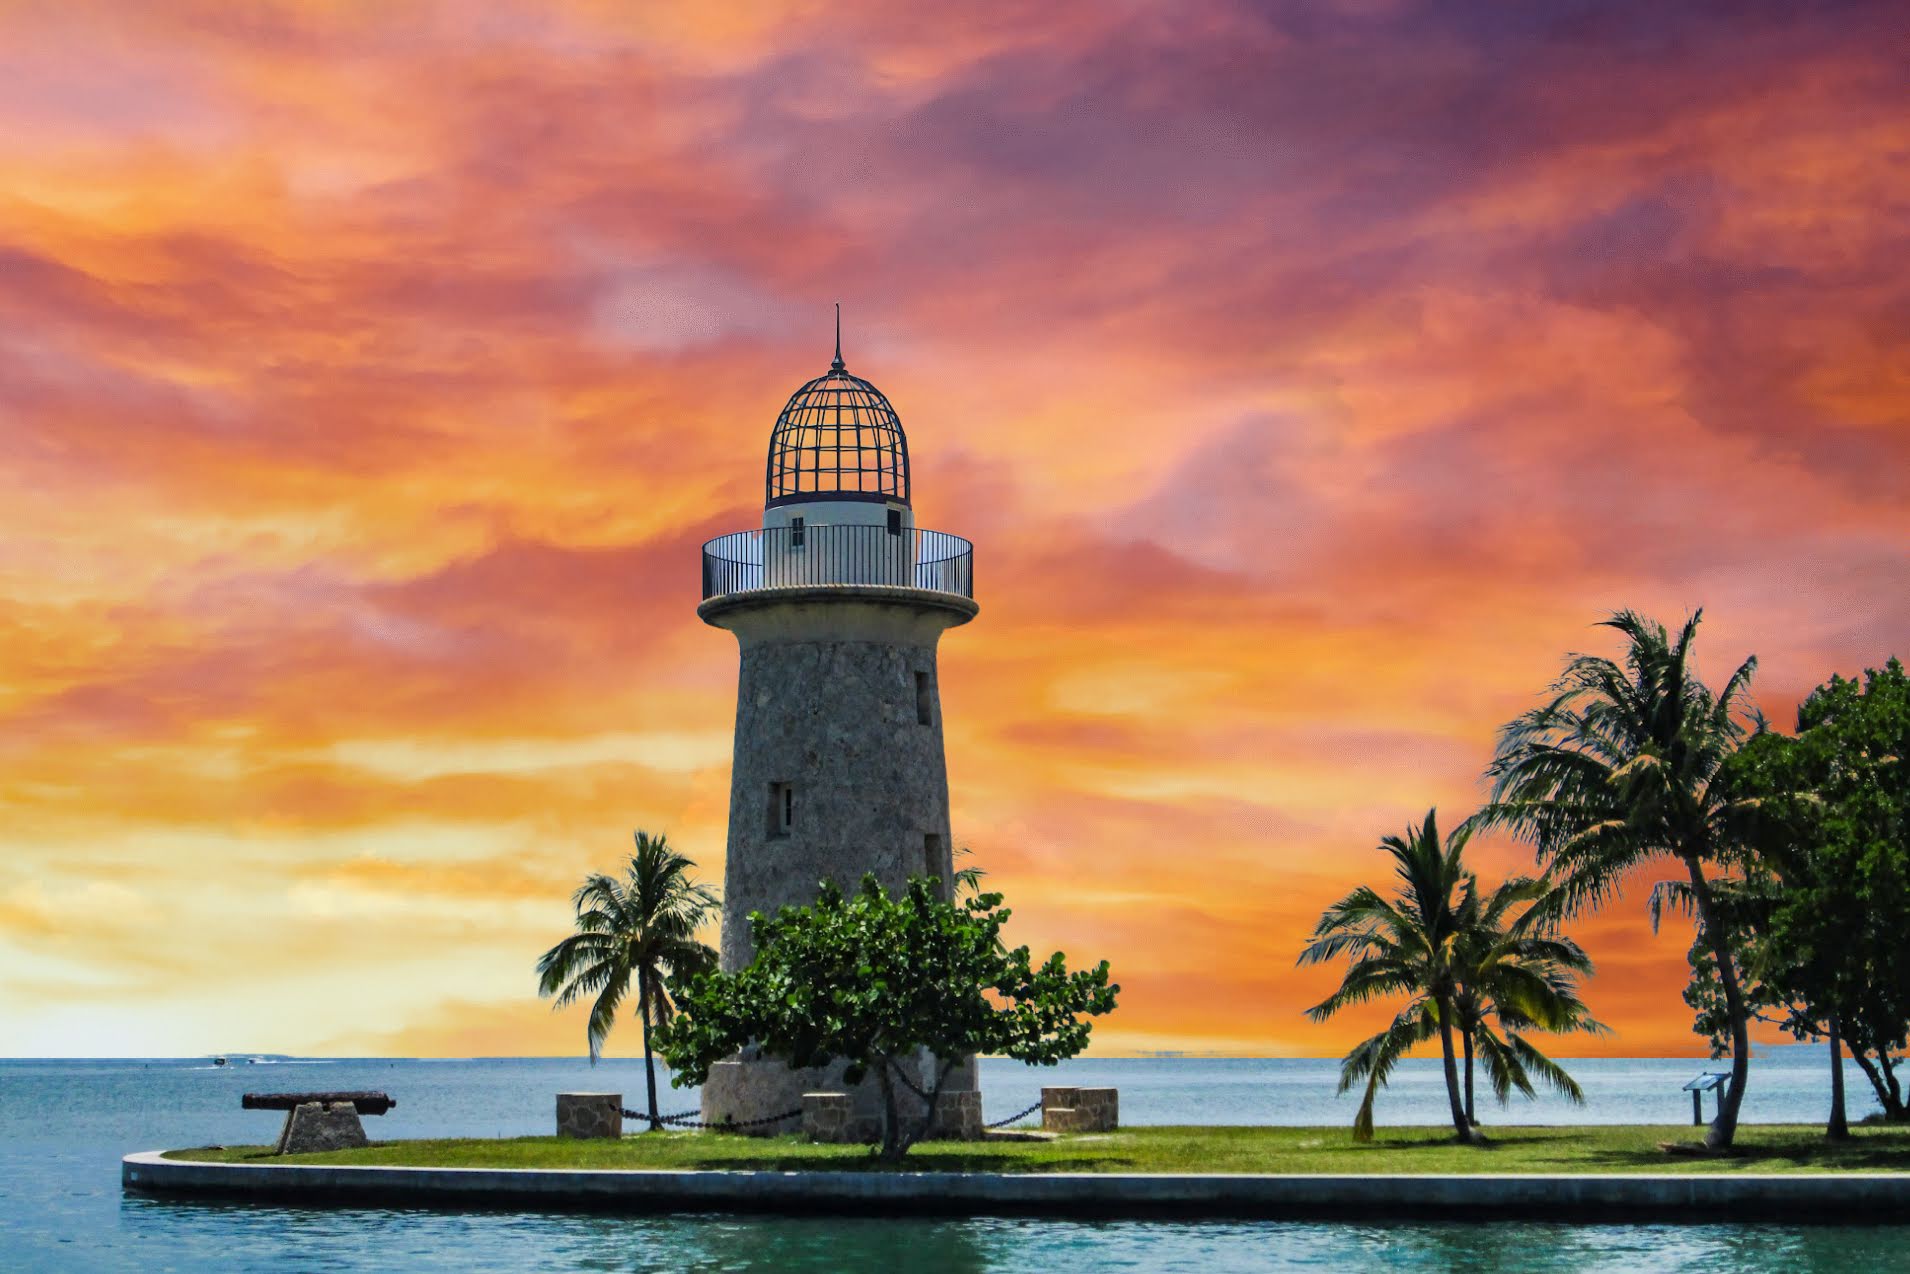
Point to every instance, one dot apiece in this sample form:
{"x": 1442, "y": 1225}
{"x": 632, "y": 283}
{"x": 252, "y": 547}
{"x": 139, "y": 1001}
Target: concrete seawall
{"x": 1689, "y": 1197}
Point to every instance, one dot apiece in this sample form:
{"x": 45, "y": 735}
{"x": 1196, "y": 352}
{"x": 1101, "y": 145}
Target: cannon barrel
{"x": 364, "y": 1103}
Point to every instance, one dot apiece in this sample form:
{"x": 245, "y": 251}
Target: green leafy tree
{"x": 1822, "y": 915}
{"x": 1515, "y": 976}
{"x": 639, "y": 931}
{"x": 1621, "y": 767}
{"x": 1782, "y": 997}
{"x": 1407, "y": 945}
{"x": 887, "y": 983}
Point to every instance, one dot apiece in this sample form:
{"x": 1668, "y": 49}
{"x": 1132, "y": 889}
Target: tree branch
{"x": 934, "y": 1099}
{"x": 906, "y": 1081}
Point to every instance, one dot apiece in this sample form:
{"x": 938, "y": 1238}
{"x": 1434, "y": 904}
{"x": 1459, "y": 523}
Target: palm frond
{"x": 1545, "y": 1068}
{"x": 1375, "y": 1058}
{"x": 1673, "y": 895}
{"x": 642, "y": 927}
{"x": 603, "y": 1011}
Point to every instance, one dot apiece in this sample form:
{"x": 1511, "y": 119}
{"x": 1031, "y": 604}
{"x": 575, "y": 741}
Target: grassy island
{"x": 1588, "y": 1150}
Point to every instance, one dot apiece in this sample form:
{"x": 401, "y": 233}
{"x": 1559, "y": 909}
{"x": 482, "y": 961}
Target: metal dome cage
{"x": 837, "y": 439}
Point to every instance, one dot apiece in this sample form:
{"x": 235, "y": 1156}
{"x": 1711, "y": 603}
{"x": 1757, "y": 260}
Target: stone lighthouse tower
{"x": 837, "y": 603}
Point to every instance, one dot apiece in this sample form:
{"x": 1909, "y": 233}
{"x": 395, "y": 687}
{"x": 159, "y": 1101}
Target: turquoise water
{"x": 64, "y": 1124}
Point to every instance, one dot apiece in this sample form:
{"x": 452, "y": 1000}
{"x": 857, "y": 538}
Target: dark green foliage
{"x": 1622, "y": 767}
{"x": 1517, "y": 973}
{"x": 1464, "y": 960}
{"x": 1822, "y": 915}
{"x": 878, "y": 980}
{"x": 1742, "y": 902}
{"x": 641, "y": 929}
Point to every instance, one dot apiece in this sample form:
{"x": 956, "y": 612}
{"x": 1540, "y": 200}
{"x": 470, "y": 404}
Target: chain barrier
{"x": 1018, "y": 1115}
{"x": 688, "y": 1119}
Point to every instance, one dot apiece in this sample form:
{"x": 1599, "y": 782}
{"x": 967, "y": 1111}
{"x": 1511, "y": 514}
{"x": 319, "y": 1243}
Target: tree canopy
{"x": 1515, "y": 970}
{"x": 1821, "y": 911}
{"x": 879, "y": 980}
{"x": 1406, "y": 945}
{"x": 1622, "y": 766}
{"x": 1466, "y": 960}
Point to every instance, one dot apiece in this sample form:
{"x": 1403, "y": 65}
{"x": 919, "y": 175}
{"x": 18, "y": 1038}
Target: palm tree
{"x": 640, "y": 928}
{"x": 968, "y": 880}
{"x": 1509, "y": 970}
{"x": 1619, "y": 768}
{"x": 1516, "y": 971}
{"x": 1406, "y": 946}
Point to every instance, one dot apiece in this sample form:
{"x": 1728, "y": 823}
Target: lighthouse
{"x": 838, "y": 601}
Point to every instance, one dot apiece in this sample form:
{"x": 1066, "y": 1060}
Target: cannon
{"x": 319, "y": 1121}
{"x": 364, "y": 1103}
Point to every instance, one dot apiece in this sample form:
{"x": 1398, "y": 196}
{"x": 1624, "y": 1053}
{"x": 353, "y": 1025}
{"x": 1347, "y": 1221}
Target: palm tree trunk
{"x": 1472, "y": 1116}
{"x": 1724, "y": 1128}
{"x": 1460, "y": 1125}
{"x": 649, "y": 1065}
{"x": 1839, "y": 1127}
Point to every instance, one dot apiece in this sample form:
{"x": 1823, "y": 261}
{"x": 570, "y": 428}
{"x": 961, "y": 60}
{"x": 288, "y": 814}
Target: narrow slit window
{"x": 795, "y": 533}
{"x": 932, "y": 857}
{"x": 782, "y": 808}
{"x": 924, "y": 701}
{"x": 895, "y": 521}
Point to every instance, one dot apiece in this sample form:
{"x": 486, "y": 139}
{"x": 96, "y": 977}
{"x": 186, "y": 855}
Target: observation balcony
{"x": 854, "y": 558}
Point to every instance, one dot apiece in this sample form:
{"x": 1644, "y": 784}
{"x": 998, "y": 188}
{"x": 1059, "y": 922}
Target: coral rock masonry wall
{"x": 837, "y": 698}
{"x": 958, "y": 1117}
{"x": 833, "y": 1117}
{"x": 829, "y": 1117}
{"x": 590, "y": 1115}
{"x": 835, "y": 719}
{"x": 1080, "y": 1109}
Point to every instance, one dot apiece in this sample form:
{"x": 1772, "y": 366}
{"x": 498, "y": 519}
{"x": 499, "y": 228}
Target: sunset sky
{"x": 1310, "y": 378}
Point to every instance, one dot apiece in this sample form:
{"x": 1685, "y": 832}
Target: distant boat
{"x": 218, "y": 1061}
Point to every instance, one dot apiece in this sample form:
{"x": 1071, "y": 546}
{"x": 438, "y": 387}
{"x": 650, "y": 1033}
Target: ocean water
{"x": 64, "y": 1125}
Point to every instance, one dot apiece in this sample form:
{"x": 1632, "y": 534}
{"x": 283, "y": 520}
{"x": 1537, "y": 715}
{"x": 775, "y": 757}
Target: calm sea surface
{"x": 64, "y": 1125}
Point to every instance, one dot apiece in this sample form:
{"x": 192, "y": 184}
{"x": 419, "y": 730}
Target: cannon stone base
{"x": 315, "y": 1126}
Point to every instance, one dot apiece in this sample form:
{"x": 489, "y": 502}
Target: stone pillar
{"x": 828, "y": 1117}
{"x": 590, "y": 1115}
{"x": 838, "y": 771}
{"x": 958, "y": 1116}
{"x": 1080, "y": 1109}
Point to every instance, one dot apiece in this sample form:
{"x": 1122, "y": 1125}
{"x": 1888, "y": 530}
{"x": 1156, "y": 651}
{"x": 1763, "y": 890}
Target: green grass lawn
{"x": 1312, "y": 1150}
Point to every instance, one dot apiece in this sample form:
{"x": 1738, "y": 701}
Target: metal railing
{"x": 819, "y": 556}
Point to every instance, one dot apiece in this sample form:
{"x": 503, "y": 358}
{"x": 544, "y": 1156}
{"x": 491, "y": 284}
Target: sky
{"x": 1311, "y": 378}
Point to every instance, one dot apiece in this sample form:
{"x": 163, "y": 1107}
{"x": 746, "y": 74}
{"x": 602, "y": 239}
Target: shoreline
{"x": 1682, "y": 1197}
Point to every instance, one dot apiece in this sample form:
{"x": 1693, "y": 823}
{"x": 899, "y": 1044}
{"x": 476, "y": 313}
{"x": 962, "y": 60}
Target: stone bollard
{"x": 958, "y": 1117}
{"x": 590, "y": 1115}
{"x": 1057, "y": 1108}
{"x": 1100, "y": 1108}
{"x": 314, "y": 1126}
{"x": 828, "y": 1117}
{"x": 1080, "y": 1109}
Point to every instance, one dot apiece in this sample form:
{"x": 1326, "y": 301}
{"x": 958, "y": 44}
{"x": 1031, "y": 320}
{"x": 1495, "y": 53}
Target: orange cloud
{"x": 1308, "y": 379}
